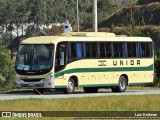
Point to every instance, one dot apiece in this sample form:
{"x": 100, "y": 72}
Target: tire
{"x": 70, "y": 87}
{"x": 40, "y": 90}
{"x": 90, "y": 89}
{"x": 122, "y": 85}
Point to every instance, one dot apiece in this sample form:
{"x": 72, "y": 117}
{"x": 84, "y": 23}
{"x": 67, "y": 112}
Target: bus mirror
{"x": 61, "y": 58}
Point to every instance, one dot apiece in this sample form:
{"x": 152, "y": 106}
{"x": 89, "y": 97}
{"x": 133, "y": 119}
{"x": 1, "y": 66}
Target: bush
{"x": 7, "y": 74}
{"x": 88, "y": 22}
{"x": 157, "y": 72}
{"x": 142, "y": 2}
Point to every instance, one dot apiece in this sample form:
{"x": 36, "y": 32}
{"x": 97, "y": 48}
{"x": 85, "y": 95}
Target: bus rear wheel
{"x": 70, "y": 87}
{"x": 90, "y": 89}
{"x": 122, "y": 85}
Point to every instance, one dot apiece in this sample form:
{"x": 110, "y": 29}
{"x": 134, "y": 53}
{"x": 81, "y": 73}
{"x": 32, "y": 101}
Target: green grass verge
{"x": 107, "y": 103}
{"x": 142, "y": 88}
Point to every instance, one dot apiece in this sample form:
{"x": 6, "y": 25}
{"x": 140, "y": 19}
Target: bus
{"x": 87, "y": 60}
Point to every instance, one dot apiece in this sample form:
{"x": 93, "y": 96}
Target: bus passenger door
{"x": 60, "y": 63}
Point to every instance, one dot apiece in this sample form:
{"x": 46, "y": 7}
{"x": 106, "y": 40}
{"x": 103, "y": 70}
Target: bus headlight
{"x": 50, "y": 78}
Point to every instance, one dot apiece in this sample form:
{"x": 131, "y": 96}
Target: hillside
{"x": 142, "y": 17}
{"x": 148, "y": 14}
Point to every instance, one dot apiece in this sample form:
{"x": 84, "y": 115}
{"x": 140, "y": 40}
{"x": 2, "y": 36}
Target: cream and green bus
{"x": 85, "y": 59}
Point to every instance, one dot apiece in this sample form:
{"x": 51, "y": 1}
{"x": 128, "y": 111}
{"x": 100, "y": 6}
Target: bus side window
{"x": 132, "y": 49}
{"x": 108, "y": 49}
{"x": 102, "y": 52}
{"x": 116, "y": 52}
{"x": 149, "y": 49}
{"x": 136, "y": 52}
{"x": 87, "y": 52}
{"x": 79, "y": 50}
{"x": 118, "y": 49}
{"x": 129, "y": 49}
{"x": 142, "y": 49}
{"x": 75, "y": 51}
{"x": 61, "y": 52}
{"x": 122, "y": 49}
{"x": 135, "y": 49}
{"x": 72, "y": 50}
{"x": 145, "y": 49}
{"x": 94, "y": 49}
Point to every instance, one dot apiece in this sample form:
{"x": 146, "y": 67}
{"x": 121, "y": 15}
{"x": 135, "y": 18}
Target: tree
{"x": 21, "y": 14}
{"x": 142, "y": 2}
{"x": 105, "y": 8}
{"x": 37, "y": 15}
{"x": 121, "y": 3}
{"x": 7, "y": 76}
{"x": 3, "y": 4}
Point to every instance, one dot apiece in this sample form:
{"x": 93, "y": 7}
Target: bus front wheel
{"x": 70, "y": 87}
{"x": 90, "y": 89}
{"x": 122, "y": 85}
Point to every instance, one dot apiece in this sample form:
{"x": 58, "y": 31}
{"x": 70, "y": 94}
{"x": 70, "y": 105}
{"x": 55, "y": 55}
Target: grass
{"x": 142, "y": 88}
{"x": 108, "y": 103}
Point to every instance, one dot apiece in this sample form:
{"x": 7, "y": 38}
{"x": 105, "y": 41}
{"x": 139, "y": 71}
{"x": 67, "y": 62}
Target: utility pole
{"x": 77, "y": 17}
{"x": 95, "y": 15}
{"x": 45, "y": 11}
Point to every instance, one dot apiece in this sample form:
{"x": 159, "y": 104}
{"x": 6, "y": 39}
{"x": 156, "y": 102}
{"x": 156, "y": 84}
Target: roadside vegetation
{"x": 109, "y": 103}
{"x": 7, "y": 74}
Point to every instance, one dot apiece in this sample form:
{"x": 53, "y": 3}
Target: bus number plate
{"x": 31, "y": 84}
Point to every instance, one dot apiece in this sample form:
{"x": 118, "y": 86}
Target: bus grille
{"x": 32, "y": 80}
{"x": 36, "y": 85}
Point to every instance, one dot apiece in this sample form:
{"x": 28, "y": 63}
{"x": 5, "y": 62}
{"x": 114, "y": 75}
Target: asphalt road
{"x": 30, "y": 94}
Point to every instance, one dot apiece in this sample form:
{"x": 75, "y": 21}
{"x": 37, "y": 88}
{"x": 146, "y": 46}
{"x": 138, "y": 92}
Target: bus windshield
{"x": 34, "y": 59}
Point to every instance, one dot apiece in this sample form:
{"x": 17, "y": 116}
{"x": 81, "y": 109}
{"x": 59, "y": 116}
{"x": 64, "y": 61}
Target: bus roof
{"x": 89, "y": 34}
{"x": 83, "y": 36}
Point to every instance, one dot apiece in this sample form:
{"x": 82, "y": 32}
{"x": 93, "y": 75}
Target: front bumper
{"x": 36, "y": 83}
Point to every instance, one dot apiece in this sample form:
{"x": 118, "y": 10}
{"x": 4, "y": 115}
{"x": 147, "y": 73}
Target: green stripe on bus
{"x": 98, "y": 85}
{"x": 140, "y": 83}
{"x": 60, "y": 86}
{"x": 113, "y": 69}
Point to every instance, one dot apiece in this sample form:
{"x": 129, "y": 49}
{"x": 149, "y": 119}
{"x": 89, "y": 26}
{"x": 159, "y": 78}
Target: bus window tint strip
{"x": 89, "y": 50}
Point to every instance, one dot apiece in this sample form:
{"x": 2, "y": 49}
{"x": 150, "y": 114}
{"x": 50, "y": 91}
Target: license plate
{"x": 31, "y": 84}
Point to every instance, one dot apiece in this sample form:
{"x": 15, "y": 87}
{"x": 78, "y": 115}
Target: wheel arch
{"x": 126, "y": 76}
{"x": 75, "y": 78}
